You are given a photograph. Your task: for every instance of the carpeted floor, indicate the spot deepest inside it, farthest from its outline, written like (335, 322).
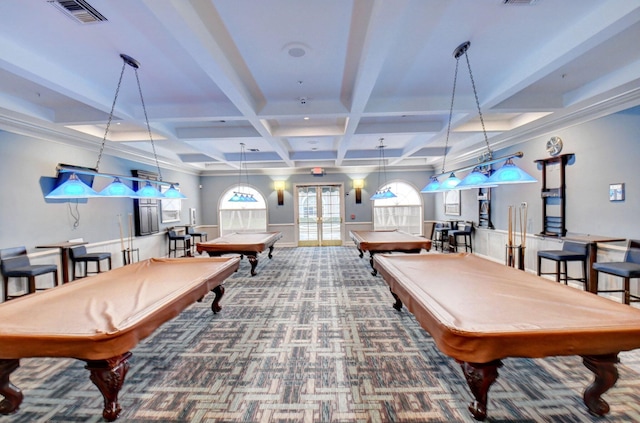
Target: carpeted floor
(311, 338)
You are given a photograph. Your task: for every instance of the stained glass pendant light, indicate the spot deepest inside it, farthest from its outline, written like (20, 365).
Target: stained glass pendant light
(238, 196)
(385, 192)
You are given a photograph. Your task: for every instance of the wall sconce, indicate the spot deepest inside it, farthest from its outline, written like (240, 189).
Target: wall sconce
(358, 184)
(279, 186)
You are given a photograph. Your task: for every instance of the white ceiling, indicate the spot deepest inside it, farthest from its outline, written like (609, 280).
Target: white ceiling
(217, 73)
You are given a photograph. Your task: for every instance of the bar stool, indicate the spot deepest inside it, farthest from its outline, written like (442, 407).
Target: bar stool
(571, 251)
(440, 235)
(627, 269)
(80, 255)
(173, 243)
(14, 263)
(465, 233)
(202, 236)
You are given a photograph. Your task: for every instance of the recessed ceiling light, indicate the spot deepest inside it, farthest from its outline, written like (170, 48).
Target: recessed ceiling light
(297, 52)
(306, 118)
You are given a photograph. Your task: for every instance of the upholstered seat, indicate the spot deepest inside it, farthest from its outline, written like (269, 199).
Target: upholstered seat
(15, 263)
(461, 237)
(80, 255)
(440, 235)
(571, 251)
(185, 243)
(627, 269)
(202, 236)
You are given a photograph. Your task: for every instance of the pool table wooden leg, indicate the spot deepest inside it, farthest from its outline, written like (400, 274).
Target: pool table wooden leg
(604, 368)
(480, 377)
(398, 304)
(218, 291)
(253, 259)
(271, 252)
(374, 272)
(11, 393)
(108, 375)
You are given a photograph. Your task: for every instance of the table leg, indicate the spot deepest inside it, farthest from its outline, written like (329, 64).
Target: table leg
(11, 393)
(604, 368)
(64, 256)
(592, 275)
(398, 304)
(108, 375)
(480, 377)
(218, 291)
(271, 251)
(374, 272)
(253, 259)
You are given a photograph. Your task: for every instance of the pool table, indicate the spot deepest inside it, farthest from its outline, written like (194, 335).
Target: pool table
(101, 318)
(388, 242)
(480, 312)
(248, 244)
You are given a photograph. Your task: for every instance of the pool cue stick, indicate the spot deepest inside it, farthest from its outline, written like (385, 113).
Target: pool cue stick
(121, 237)
(131, 235)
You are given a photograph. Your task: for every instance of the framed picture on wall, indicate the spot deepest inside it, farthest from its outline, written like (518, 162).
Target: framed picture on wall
(616, 192)
(451, 200)
(170, 208)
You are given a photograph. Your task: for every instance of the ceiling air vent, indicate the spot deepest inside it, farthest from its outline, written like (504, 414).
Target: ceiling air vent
(78, 10)
(526, 2)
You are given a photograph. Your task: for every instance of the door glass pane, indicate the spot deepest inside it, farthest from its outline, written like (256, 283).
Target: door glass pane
(307, 214)
(331, 213)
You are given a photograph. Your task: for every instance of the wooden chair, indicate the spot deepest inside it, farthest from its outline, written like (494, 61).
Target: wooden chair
(185, 241)
(80, 255)
(571, 251)
(14, 263)
(627, 269)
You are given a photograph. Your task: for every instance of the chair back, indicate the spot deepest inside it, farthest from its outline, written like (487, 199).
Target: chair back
(190, 230)
(467, 228)
(77, 251)
(172, 234)
(575, 247)
(13, 258)
(633, 252)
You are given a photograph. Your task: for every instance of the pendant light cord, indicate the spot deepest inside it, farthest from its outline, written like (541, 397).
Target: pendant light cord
(453, 96)
(113, 106)
(126, 60)
(146, 118)
(475, 93)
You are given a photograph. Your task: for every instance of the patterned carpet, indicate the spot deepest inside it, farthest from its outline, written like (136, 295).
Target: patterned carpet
(311, 338)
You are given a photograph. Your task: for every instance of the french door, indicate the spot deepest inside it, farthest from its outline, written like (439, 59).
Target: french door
(319, 213)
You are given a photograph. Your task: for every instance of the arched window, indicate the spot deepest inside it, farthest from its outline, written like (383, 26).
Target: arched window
(404, 212)
(242, 216)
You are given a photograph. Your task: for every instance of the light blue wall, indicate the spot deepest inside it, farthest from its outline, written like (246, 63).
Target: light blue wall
(28, 170)
(214, 186)
(607, 151)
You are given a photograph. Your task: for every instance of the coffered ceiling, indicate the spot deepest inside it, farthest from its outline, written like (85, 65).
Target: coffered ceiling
(312, 83)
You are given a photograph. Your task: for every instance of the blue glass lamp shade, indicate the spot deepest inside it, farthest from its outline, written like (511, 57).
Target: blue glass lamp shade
(149, 191)
(475, 179)
(72, 188)
(450, 183)
(509, 173)
(383, 194)
(240, 197)
(173, 193)
(117, 189)
(432, 186)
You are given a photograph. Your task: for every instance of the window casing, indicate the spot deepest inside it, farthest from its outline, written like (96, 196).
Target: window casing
(404, 212)
(241, 216)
